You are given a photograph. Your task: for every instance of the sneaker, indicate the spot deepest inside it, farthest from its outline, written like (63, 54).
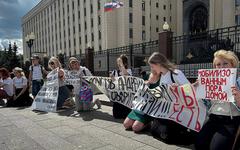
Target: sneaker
(98, 103)
(2, 102)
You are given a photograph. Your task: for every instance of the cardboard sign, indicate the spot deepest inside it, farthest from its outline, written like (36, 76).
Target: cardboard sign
(215, 84)
(46, 99)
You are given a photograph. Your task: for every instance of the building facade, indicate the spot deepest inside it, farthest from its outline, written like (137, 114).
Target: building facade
(71, 26)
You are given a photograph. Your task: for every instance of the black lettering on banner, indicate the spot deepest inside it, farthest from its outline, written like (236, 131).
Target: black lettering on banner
(44, 100)
(37, 100)
(121, 84)
(168, 96)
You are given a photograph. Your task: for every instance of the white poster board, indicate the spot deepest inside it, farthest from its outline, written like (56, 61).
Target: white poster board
(46, 99)
(215, 84)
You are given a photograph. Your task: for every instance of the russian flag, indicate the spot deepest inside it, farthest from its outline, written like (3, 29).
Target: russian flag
(108, 7)
(111, 5)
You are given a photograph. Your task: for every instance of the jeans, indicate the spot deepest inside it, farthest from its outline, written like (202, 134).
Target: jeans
(218, 133)
(63, 95)
(36, 86)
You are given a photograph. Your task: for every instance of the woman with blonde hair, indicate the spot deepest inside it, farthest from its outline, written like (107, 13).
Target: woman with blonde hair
(20, 86)
(63, 92)
(163, 72)
(220, 129)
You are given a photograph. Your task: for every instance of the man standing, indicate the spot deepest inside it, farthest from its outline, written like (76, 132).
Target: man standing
(36, 72)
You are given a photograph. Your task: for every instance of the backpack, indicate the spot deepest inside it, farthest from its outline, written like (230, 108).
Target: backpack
(171, 132)
(85, 96)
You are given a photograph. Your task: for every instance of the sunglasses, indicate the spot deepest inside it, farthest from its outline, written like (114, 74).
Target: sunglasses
(51, 63)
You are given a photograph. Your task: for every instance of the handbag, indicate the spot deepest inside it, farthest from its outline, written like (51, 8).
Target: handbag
(85, 96)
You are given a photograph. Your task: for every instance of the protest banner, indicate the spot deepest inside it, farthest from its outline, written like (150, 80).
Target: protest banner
(121, 89)
(46, 99)
(179, 104)
(73, 78)
(215, 84)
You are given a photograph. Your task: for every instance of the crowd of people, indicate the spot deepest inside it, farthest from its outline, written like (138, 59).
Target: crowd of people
(219, 131)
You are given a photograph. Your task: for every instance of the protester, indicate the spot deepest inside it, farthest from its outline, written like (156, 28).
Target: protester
(6, 86)
(21, 94)
(74, 65)
(63, 100)
(220, 129)
(36, 73)
(137, 120)
(160, 66)
(120, 111)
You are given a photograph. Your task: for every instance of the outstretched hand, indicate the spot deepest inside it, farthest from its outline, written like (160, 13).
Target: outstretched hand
(236, 94)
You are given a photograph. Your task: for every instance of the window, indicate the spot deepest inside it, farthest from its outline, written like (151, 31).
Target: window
(143, 35)
(143, 20)
(164, 7)
(86, 39)
(164, 19)
(156, 17)
(79, 27)
(237, 3)
(85, 12)
(157, 5)
(170, 19)
(130, 3)
(91, 9)
(92, 37)
(91, 22)
(99, 20)
(85, 24)
(79, 15)
(130, 33)
(237, 19)
(74, 41)
(170, 6)
(130, 18)
(143, 5)
(72, 5)
(99, 35)
(99, 5)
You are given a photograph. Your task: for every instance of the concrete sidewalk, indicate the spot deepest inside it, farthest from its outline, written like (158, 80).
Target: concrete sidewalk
(21, 128)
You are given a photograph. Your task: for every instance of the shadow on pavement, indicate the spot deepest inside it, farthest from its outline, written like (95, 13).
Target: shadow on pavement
(89, 115)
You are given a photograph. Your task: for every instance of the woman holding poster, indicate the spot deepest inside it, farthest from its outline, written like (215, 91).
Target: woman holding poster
(81, 104)
(220, 130)
(63, 100)
(160, 66)
(120, 111)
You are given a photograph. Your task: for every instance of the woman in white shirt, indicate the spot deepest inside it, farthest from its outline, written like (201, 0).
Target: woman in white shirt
(20, 86)
(163, 72)
(6, 86)
(220, 129)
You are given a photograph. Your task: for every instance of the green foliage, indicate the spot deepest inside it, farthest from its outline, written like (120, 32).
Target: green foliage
(9, 58)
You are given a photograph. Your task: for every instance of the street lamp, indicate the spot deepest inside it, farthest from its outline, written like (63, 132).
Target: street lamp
(29, 40)
(165, 26)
